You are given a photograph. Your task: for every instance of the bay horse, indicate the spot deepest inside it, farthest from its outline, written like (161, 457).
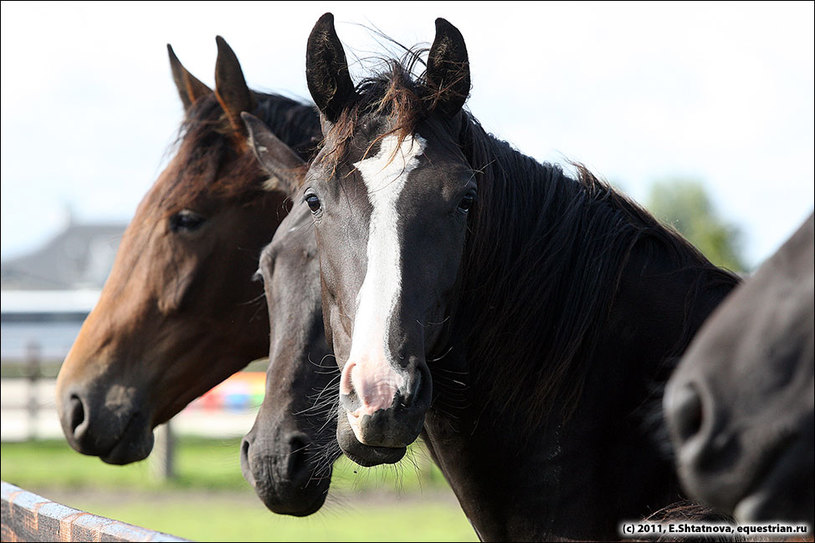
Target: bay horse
(179, 312)
(521, 320)
(740, 404)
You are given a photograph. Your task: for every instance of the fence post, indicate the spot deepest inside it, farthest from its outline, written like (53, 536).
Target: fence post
(162, 459)
(33, 374)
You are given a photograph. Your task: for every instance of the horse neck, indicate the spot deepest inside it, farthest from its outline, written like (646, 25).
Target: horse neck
(524, 478)
(540, 266)
(520, 483)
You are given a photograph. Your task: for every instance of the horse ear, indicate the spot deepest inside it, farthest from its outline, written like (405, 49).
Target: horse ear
(277, 158)
(327, 74)
(189, 87)
(448, 69)
(230, 86)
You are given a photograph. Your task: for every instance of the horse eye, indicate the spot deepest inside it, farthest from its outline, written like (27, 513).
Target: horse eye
(186, 220)
(466, 203)
(313, 202)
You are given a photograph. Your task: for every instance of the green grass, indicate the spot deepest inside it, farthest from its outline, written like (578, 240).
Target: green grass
(210, 501)
(211, 464)
(220, 518)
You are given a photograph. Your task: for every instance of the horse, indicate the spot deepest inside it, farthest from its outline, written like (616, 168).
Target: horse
(298, 382)
(522, 321)
(288, 454)
(180, 312)
(739, 406)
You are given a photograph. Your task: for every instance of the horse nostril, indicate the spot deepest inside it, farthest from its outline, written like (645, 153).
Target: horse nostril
(246, 468)
(346, 384)
(298, 455)
(76, 413)
(418, 392)
(409, 398)
(687, 412)
(349, 397)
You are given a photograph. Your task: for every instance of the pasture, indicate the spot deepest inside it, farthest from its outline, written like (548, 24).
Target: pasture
(210, 501)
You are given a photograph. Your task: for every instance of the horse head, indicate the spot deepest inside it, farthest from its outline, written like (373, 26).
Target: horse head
(389, 172)
(179, 312)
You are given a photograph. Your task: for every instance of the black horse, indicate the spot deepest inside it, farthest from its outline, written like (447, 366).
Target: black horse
(288, 454)
(522, 320)
(740, 404)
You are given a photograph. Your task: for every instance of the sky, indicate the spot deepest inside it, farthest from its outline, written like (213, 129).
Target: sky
(639, 92)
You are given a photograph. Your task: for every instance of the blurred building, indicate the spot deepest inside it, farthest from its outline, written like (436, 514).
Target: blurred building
(79, 257)
(46, 294)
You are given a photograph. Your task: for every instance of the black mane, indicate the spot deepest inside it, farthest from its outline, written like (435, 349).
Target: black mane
(546, 254)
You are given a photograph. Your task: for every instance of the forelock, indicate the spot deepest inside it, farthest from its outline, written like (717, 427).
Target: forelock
(394, 94)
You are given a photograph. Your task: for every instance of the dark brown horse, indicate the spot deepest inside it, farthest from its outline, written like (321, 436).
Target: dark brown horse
(522, 320)
(180, 312)
(288, 454)
(740, 404)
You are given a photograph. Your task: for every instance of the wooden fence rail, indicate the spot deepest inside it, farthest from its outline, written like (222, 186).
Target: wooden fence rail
(26, 516)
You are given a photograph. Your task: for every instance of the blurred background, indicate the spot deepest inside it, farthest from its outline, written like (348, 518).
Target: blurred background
(703, 112)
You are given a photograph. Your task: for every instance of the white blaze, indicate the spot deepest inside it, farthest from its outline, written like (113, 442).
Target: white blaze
(384, 175)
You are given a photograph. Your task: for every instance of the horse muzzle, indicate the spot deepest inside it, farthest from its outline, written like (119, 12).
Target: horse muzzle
(286, 471)
(105, 423)
(364, 455)
(385, 409)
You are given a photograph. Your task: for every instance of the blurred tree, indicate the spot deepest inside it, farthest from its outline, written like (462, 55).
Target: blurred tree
(685, 205)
